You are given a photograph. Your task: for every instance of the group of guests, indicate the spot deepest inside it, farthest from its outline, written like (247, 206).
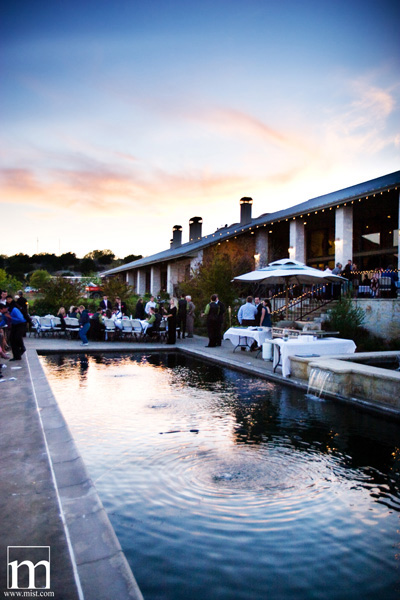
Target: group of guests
(215, 314)
(353, 275)
(178, 314)
(13, 321)
(257, 313)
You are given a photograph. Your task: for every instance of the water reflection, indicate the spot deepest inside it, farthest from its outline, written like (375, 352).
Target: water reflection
(242, 477)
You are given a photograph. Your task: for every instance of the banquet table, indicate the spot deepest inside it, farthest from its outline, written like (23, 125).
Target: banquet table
(283, 350)
(244, 337)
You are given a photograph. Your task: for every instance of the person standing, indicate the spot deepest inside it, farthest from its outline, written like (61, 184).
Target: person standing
(213, 322)
(139, 310)
(150, 304)
(18, 328)
(181, 319)
(105, 303)
(247, 314)
(336, 286)
(266, 314)
(258, 305)
(190, 317)
(121, 306)
(3, 296)
(221, 318)
(172, 322)
(84, 325)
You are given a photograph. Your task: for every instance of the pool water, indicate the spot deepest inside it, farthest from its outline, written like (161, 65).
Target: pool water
(222, 486)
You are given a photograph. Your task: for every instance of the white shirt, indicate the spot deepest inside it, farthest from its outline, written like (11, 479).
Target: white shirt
(248, 312)
(150, 304)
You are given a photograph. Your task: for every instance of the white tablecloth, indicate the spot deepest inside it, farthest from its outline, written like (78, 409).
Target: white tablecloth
(245, 336)
(297, 346)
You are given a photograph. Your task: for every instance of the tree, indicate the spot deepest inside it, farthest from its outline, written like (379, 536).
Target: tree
(87, 265)
(18, 265)
(131, 258)
(46, 261)
(68, 260)
(9, 283)
(115, 287)
(102, 257)
(59, 292)
(213, 276)
(39, 279)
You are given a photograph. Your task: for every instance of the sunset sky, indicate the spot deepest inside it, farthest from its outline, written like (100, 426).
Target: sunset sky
(120, 118)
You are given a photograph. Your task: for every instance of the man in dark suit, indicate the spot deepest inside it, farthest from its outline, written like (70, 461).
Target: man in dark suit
(105, 303)
(181, 321)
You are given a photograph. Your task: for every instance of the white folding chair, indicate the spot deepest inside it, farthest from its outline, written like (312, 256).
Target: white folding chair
(56, 321)
(35, 326)
(137, 329)
(109, 328)
(72, 326)
(46, 324)
(126, 330)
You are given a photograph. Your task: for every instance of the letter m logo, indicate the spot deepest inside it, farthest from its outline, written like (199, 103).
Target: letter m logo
(28, 567)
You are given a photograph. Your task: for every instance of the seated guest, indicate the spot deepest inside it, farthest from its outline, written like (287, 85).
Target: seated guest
(149, 322)
(96, 326)
(62, 315)
(73, 312)
(116, 316)
(247, 314)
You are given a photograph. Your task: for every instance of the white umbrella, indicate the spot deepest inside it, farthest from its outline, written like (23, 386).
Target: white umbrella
(287, 271)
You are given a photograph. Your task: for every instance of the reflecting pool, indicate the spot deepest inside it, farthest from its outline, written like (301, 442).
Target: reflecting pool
(221, 486)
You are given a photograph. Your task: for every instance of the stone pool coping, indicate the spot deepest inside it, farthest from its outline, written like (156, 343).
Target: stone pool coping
(347, 378)
(101, 570)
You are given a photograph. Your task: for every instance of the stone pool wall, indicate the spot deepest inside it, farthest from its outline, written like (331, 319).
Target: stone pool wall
(377, 387)
(382, 316)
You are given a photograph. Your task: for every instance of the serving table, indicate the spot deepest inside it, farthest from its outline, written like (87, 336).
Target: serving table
(243, 337)
(306, 347)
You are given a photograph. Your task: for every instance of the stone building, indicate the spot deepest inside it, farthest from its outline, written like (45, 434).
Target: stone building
(360, 223)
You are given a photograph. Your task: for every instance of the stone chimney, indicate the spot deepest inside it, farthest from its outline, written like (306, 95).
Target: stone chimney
(176, 236)
(195, 225)
(245, 210)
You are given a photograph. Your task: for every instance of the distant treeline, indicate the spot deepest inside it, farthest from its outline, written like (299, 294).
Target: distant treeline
(21, 266)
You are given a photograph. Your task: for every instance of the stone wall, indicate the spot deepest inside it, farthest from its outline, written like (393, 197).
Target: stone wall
(382, 316)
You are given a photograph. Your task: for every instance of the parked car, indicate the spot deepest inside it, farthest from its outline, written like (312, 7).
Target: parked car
(29, 290)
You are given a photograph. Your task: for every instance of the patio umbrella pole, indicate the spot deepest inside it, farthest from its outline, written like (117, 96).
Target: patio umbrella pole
(287, 302)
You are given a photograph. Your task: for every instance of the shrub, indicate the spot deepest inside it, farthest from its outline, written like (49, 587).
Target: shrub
(346, 318)
(58, 292)
(40, 279)
(9, 283)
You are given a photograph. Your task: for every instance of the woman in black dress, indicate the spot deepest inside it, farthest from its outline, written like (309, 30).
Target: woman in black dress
(171, 316)
(139, 310)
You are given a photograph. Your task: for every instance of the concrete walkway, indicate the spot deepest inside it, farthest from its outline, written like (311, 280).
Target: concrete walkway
(46, 496)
